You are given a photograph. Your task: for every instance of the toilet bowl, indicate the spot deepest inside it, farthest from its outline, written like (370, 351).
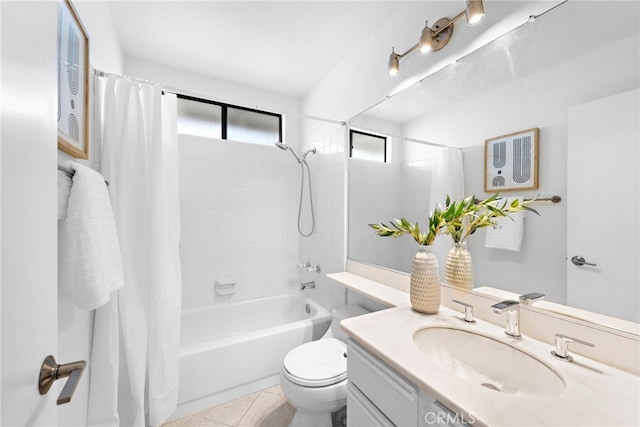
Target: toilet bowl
(314, 375)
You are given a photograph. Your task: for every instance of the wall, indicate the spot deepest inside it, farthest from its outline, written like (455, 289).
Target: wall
(75, 327)
(549, 94)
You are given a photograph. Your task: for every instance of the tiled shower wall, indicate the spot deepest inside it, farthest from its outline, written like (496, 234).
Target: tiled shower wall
(326, 247)
(238, 216)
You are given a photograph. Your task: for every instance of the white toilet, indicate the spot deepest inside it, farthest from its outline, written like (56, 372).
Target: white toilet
(314, 375)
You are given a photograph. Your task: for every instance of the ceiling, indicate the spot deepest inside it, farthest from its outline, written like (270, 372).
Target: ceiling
(280, 46)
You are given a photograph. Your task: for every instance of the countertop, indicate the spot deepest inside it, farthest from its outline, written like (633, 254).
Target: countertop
(595, 395)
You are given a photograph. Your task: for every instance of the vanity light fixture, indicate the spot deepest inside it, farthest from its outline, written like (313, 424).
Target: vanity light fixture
(436, 37)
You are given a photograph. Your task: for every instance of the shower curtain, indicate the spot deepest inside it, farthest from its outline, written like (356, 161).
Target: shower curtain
(134, 361)
(448, 179)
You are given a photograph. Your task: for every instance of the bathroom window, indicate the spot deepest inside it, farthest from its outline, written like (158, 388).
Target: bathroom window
(368, 146)
(213, 119)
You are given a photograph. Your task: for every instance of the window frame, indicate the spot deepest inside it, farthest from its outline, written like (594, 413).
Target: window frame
(223, 116)
(382, 137)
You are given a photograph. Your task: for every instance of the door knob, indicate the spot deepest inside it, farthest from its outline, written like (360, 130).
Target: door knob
(52, 371)
(579, 261)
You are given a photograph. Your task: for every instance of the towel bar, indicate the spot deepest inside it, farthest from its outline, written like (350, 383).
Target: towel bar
(70, 173)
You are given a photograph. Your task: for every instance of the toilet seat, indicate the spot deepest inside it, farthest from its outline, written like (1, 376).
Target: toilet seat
(317, 364)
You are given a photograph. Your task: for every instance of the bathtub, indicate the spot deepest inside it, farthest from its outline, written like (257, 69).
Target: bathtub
(229, 350)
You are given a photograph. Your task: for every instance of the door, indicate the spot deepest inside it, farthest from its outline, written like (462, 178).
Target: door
(602, 206)
(28, 192)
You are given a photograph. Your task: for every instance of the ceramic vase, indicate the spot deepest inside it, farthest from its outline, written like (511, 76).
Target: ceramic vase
(424, 290)
(459, 268)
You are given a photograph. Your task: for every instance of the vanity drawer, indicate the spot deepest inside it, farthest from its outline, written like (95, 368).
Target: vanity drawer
(393, 395)
(361, 412)
(434, 414)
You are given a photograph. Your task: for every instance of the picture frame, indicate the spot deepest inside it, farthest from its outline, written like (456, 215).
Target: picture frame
(511, 161)
(73, 83)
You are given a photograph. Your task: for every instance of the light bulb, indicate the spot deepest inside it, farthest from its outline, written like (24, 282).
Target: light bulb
(475, 12)
(426, 39)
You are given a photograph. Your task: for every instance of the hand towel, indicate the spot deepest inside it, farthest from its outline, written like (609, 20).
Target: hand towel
(64, 188)
(508, 232)
(92, 250)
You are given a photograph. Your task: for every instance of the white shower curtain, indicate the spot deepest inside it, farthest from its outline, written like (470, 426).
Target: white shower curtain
(448, 179)
(134, 361)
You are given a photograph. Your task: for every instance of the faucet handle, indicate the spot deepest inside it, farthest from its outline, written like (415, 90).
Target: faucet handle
(305, 265)
(562, 346)
(468, 311)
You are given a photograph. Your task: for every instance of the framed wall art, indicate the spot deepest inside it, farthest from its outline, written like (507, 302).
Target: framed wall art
(73, 83)
(511, 161)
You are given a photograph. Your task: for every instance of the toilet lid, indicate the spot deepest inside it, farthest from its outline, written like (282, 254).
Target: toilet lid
(317, 363)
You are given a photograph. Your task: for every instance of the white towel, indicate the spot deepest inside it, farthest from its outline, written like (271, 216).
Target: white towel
(64, 188)
(508, 232)
(92, 250)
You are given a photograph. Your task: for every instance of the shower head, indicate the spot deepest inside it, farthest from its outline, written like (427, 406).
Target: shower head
(285, 147)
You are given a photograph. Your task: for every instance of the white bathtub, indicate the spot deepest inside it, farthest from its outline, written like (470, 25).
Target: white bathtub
(229, 350)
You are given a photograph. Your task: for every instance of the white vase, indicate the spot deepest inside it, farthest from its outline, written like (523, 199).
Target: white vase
(424, 290)
(459, 268)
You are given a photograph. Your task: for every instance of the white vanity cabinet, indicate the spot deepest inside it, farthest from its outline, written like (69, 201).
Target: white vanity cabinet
(379, 396)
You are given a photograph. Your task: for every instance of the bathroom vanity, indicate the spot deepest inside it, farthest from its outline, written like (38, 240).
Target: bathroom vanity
(407, 368)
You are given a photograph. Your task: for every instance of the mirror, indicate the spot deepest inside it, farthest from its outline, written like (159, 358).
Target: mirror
(529, 78)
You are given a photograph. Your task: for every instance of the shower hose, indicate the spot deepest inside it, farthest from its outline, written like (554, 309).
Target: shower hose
(303, 163)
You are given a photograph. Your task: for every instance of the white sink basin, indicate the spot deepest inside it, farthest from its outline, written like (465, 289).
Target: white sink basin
(488, 362)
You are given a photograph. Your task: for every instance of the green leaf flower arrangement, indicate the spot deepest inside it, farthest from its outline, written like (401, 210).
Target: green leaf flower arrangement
(457, 219)
(463, 218)
(399, 227)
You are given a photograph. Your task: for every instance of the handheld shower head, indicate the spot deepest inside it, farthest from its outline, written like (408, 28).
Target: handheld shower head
(285, 147)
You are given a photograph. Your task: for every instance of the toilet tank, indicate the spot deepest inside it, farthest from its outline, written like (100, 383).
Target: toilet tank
(341, 313)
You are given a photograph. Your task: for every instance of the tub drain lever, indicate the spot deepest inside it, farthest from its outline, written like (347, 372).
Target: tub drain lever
(52, 371)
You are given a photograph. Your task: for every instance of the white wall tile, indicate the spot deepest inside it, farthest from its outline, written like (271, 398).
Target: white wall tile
(238, 217)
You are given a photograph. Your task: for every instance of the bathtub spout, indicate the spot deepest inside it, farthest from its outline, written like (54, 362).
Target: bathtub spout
(306, 285)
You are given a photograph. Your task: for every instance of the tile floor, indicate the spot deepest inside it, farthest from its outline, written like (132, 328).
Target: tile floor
(267, 408)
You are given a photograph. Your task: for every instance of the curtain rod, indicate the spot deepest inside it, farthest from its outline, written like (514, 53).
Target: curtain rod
(167, 89)
(101, 73)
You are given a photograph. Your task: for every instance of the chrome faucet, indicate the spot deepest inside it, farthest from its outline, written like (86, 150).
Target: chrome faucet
(306, 285)
(529, 299)
(513, 316)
